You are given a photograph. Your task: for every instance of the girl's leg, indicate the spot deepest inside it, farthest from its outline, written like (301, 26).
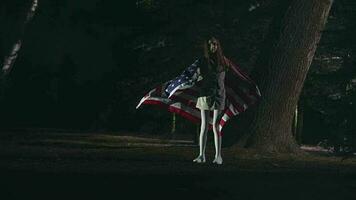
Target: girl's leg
(203, 135)
(217, 138)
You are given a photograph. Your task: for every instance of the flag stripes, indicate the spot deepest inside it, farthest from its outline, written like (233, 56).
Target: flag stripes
(180, 95)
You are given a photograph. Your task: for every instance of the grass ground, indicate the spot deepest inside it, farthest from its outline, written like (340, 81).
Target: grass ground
(89, 165)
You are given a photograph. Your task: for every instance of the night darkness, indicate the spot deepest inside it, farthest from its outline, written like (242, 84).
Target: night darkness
(84, 65)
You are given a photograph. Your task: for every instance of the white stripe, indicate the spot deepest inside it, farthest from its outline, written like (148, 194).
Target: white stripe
(245, 106)
(172, 92)
(225, 117)
(152, 91)
(145, 97)
(182, 86)
(233, 109)
(163, 100)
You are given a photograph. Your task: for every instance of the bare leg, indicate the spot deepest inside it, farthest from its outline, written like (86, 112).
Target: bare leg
(217, 138)
(203, 136)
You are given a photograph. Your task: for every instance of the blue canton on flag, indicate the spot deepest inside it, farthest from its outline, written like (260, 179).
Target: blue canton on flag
(186, 80)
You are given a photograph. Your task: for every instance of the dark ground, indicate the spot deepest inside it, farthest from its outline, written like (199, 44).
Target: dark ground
(104, 166)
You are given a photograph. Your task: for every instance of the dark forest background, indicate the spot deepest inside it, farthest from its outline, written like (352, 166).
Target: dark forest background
(85, 64)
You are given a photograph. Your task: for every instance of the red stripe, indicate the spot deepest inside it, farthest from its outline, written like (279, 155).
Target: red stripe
(229, 113)
(155, 102)
(222, 122)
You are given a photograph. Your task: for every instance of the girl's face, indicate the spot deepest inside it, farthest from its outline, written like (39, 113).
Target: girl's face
(213, 46)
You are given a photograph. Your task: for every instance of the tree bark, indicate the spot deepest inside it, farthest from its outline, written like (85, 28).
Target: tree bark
(300, 122)
(281, 73)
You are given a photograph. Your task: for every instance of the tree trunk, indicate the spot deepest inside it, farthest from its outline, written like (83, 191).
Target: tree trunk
(300, 122)
(281, 74)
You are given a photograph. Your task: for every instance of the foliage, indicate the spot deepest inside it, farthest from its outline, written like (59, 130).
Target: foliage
(330, 87)
(86, 64)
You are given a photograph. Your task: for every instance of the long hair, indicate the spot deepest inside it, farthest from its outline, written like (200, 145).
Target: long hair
(221, 63)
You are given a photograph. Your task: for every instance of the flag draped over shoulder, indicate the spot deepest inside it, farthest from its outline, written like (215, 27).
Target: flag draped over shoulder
(180, 94)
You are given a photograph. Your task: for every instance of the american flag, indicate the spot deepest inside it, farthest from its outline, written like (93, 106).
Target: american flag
(180, 94)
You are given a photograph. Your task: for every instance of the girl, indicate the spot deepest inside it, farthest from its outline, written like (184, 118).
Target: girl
(211, 95)
(208, 73)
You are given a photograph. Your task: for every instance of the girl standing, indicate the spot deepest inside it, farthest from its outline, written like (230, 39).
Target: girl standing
(211, 95)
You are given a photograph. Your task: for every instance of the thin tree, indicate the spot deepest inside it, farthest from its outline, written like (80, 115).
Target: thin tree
(10, 59)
